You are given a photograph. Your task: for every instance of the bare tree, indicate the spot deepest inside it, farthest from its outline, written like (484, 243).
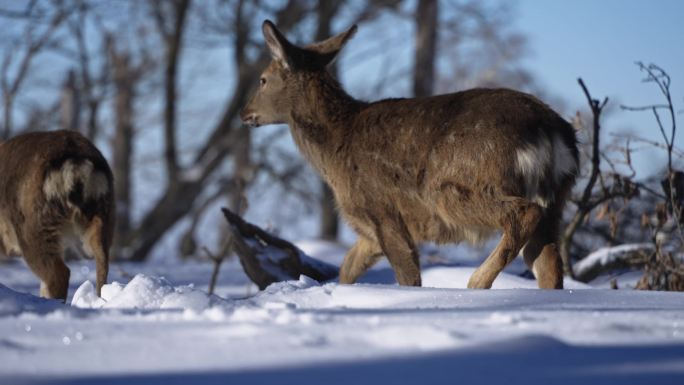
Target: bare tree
(170, 19)
(21, 55)
(592, 197)
(584, 206)
(663, 270)
(483, 49)
(611, 194)
(426, 45)
(658, 76)
(125, 75)
(92, 83)
(180, 194)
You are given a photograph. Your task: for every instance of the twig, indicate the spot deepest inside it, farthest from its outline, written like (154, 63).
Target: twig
(215, 272)
(661, 78)
(675, 151)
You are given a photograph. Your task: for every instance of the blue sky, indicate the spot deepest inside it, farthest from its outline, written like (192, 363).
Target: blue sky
(600, 41)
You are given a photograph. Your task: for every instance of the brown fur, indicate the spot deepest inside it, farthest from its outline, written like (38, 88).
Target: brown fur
(445, 168)
(54, 185)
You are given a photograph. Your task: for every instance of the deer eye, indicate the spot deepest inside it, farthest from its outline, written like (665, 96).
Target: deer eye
(262, 81)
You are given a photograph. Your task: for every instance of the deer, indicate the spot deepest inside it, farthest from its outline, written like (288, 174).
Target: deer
(55, 188)
(445, 169)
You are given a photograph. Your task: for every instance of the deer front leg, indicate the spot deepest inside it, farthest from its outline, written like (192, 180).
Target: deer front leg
(361, 257)
(397, 244)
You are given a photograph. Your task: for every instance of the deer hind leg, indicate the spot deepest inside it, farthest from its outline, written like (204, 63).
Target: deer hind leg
(361, 257)
(519, 222)
(43, 254)
(541, 254)
(397, 244)
(97, 247)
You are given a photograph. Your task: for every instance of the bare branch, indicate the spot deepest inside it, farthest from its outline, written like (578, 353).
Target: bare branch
(587, 203)
(13, 14)
(657, 75)
(34, 45)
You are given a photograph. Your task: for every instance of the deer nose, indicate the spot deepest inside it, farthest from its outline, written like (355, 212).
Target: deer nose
(248, 117)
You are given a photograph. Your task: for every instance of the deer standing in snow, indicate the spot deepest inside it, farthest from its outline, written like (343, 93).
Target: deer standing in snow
(445, 168)
(55, 186)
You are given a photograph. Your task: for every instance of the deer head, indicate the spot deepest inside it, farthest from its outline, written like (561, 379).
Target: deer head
(283, 83)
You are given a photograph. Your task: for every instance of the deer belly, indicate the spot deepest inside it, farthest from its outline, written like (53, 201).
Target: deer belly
(429, 221)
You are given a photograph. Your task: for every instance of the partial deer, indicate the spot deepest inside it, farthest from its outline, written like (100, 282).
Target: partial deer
(445, 168)
(54, 187)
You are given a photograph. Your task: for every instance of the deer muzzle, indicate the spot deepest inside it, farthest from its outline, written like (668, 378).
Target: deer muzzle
(249, 117)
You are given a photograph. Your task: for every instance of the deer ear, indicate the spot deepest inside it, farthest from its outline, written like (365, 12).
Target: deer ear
(281, 49)
(329, 48)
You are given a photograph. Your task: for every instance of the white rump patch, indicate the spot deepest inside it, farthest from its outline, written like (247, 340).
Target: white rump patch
(59, 183)
(533, 161)
(563, 161)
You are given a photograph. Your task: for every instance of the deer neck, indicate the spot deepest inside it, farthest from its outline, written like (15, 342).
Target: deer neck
(320, 120)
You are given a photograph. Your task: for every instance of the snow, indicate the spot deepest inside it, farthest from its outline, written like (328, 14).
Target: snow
(608, 255)
(144, 292)
(159, 326)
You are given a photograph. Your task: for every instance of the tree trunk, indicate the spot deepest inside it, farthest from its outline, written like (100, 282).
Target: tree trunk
(174, 42)
(174, 205)
(329, 216)
(425, 50)
(330, 220)
(91, 128)
(242, 171)
(70, 103)
(122, 146)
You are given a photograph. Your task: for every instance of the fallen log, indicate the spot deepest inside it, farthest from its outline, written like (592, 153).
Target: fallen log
(607, 259)
(267, 259)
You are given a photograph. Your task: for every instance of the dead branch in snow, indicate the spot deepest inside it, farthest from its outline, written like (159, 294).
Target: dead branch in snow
(267, 259)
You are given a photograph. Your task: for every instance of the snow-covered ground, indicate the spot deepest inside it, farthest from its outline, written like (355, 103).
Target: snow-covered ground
(157, 325)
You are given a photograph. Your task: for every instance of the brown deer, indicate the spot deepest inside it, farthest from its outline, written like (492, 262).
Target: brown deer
(55, 186)
(445, 168)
